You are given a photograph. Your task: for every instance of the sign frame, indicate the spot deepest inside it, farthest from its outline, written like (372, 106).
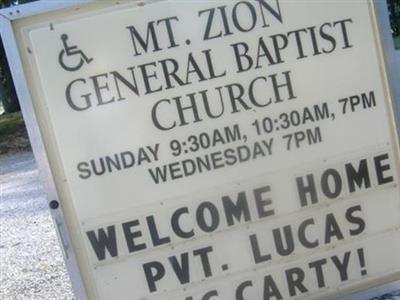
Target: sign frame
(7, 16)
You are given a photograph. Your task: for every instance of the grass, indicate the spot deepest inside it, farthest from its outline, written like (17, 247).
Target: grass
(10, 123)
(13, 136)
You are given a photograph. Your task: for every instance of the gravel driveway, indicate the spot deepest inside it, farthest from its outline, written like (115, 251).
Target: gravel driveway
(31, 262)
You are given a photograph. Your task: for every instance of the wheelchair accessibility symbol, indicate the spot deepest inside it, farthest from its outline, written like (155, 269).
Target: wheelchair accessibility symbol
(71, 58)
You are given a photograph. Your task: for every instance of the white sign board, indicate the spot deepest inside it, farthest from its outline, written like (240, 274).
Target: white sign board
(208, 150)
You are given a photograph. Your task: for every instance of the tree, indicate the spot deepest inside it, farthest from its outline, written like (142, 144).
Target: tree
(8, 96)
(394, 12)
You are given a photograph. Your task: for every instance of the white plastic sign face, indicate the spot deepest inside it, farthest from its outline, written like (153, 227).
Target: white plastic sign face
(210, 150)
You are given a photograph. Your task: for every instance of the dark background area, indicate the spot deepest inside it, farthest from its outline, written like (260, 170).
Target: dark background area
(8, 96)
(394, 14)
(13, 135)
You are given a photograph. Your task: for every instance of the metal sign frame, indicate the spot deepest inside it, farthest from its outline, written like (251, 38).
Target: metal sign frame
(9, 15)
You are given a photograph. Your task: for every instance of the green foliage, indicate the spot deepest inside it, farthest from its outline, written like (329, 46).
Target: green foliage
(394, 13)
(9, 123)
(13, 135)
(8, 96)
(397, 42)
(7, 3)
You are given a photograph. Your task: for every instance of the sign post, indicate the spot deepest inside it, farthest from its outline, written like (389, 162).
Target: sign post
(214, 149)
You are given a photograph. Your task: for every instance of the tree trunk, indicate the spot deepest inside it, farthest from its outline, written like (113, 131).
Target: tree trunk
(8, 96)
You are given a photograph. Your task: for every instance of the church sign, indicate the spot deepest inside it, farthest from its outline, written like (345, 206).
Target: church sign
(205, 150)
